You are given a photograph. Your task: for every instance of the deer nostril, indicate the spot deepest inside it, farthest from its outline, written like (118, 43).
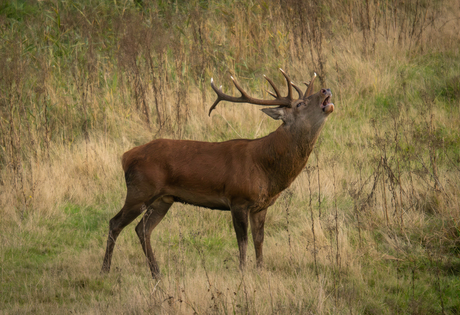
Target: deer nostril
(323, 91)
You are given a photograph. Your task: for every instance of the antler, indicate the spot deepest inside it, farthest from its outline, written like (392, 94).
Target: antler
(309, 90)
(245, 98)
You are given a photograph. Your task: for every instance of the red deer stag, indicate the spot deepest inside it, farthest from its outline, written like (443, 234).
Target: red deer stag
(241, 175)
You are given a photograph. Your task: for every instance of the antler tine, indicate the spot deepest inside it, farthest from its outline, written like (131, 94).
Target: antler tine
(245, 98)
(297, 89)
(218, 92)
(274, 88)
(271, 93)
(243, 92)
(288, 81)
(309, 90)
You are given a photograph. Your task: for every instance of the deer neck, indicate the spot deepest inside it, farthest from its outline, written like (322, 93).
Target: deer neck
(284, 154)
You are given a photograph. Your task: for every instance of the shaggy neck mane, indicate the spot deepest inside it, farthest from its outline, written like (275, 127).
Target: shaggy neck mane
(284, 153)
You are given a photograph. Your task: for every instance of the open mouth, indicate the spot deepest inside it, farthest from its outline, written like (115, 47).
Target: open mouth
(327, 106)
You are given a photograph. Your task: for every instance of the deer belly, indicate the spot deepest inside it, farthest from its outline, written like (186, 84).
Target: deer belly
(202, 200)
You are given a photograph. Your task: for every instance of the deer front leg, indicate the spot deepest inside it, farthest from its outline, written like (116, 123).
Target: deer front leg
(257, 228)
(240, 223)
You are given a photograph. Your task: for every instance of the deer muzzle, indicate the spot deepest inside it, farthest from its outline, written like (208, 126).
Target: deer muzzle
(327, 106)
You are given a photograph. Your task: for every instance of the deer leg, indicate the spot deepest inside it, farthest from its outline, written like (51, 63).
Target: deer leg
(127, 214)
(240, 223)
(257, 229)
(152, 217)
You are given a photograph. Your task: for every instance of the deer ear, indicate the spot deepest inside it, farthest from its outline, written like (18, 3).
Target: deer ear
(275, 113)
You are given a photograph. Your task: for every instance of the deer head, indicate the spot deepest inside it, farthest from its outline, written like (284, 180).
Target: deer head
(305, 113)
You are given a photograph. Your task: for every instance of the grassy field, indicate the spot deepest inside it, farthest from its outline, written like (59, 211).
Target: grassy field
(372, 226)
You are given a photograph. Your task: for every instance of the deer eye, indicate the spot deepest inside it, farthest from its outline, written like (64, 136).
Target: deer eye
(300, 104)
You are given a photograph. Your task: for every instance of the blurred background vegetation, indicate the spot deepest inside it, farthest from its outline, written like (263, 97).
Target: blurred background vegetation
(371, 226)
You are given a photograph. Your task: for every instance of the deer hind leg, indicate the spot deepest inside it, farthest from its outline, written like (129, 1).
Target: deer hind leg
(240, 223)
(152, 217)
(127, 214)
(257, 229)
